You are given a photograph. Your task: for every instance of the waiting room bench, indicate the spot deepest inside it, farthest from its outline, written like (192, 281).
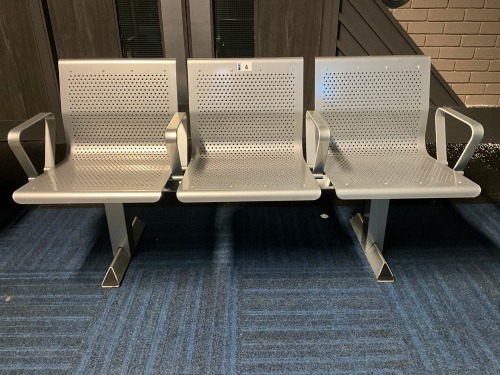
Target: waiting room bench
(375, 109)
(246, 119)
(366, 137)
(116, 115)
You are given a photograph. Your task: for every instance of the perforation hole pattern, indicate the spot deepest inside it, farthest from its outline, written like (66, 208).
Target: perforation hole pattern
(116, 115)
(230, 173)
(109, 174)
(373, 113)
(247, 115)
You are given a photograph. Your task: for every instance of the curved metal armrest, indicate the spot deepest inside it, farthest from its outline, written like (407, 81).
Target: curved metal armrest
(177, 147)
(475, 139)
(14, 140)
(317, 142)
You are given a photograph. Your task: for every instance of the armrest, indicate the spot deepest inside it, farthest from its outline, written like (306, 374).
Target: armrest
(14, 140)
(176, 139)
(317, 142)
(475, 139)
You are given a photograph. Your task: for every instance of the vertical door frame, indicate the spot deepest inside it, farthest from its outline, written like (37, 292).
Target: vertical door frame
(187, 32)
(175, 42)
(201, 28)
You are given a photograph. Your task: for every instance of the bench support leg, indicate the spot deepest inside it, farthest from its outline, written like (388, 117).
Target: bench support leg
(124, 235)
(370, 230)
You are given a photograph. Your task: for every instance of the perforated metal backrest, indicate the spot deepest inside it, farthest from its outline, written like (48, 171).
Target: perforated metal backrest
(254, 111)
(117, 107)
(375, 104)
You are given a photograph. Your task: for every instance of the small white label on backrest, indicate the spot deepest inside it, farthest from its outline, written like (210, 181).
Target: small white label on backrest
(244, 66)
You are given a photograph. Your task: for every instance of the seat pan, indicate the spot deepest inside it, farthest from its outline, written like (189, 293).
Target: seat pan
(94, 179)
(396, 176)
(245, 179)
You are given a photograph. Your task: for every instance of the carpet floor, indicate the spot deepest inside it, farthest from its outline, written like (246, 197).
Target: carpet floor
(252, 289)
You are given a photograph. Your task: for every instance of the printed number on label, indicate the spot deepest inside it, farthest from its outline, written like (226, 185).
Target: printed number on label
(244, 66)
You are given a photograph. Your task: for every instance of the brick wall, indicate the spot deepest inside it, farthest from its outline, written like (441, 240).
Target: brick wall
(463, 39)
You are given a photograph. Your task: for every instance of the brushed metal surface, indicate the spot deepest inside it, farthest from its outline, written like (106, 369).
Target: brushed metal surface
(477, 133)
(246, 132)
(377, 110)
(373, 254)
(124, 235)
(14, 140)
(115, 113)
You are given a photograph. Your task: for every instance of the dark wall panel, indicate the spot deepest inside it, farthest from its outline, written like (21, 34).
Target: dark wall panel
(290, 28)
(329, 27)
(378, 19)
(85, 29)
(28, 81)
(348, 44)
(22, 87)
(361, 29)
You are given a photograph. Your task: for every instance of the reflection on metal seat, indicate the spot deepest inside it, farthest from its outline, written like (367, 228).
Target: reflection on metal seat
(115, 115)
(376, 109)
(246, 132)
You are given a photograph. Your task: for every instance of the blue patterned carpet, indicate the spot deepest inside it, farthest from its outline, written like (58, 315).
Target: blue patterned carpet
(257, 289)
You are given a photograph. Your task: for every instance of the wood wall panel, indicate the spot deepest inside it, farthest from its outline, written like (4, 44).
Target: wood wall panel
(381, 27)
(362, 30)
(22, 87)
(329, 28)
(290, 28)
(348, 44)
(85, 28)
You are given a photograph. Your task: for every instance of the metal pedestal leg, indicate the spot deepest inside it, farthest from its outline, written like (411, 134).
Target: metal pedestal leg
(370, 230)
(124, 236)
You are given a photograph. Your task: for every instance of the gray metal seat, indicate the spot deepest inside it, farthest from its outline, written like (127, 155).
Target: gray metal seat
(376, 109)
(115, 116)
(246, 132)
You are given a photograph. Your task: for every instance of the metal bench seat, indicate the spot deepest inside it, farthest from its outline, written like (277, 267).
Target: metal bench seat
(227, 179)
(375, 109)
(100, 179)
(121, 125)
(395, 176)
(246, 131)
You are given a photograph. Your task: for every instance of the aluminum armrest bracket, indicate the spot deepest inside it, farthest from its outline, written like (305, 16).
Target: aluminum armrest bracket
(177, 145)
(317, 142)
(14, 140)
(476, 137)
